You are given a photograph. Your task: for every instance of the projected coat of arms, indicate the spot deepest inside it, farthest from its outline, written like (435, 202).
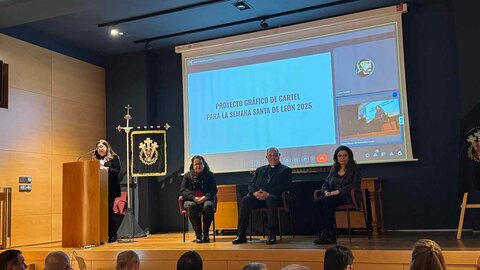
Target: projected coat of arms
(149, 150)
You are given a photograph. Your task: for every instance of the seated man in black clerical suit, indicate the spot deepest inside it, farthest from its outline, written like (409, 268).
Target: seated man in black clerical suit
(265, 190)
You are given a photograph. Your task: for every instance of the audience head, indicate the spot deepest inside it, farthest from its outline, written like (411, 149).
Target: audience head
(57, 260)
(12, 259)
(190, 260)
(273, 156)
(128, 260)
(255, 266)
(199, 165)
(295, 267)
(343, 156)
(338, 258)
(427, 255)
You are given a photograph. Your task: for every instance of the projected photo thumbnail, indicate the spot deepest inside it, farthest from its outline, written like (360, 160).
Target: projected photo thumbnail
(372, 119)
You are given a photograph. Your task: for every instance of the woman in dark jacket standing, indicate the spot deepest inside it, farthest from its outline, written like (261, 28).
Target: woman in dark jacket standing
(198, 191)
(344, 176)
(110, 162)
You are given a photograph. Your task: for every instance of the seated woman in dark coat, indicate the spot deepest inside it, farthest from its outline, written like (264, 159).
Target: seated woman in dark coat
(344, 176)
(198, 191)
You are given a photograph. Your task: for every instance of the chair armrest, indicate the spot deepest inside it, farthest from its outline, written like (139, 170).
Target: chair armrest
(180, 206)
(357, 198)
(285, 199)
(215, 201)
(316, 194)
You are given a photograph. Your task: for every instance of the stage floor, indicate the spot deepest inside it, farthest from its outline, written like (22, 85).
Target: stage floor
(160, 251)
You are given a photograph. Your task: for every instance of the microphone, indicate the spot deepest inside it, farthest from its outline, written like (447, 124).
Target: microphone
(89, 152)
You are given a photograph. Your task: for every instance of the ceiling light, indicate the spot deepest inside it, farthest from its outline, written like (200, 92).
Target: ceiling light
(242, 5)
(114, 32)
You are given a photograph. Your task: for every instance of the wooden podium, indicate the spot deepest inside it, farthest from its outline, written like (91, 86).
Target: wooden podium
(85, 204)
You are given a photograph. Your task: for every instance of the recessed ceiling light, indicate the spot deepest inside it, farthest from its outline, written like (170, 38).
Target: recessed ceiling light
(114, 32)
(242, 5)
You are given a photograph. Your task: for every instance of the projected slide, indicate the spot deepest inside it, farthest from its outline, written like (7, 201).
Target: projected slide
(305, 97)
(252, 107)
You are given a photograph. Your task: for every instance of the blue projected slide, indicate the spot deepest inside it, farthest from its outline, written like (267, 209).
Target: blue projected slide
(305, 96)
(252, 107)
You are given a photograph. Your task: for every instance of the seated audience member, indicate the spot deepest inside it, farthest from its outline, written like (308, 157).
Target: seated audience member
(57, 260)
(128, 260)
(344, 176)
(255, 266)
(265, 190)
(427, 255)
(190, 260)
(338, 258)
(12, 259)
(198, 190)
(295, 267)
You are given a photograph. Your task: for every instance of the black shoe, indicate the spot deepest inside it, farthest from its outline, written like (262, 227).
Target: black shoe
(206, 238)
(321, 241)
(323, 238)
(272, 239)
(112, 239)
(332, 237)
(240, 239)
(198, 240)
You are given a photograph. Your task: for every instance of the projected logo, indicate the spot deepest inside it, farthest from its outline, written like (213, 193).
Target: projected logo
(148, 153)
(365, 67)
(474, 148)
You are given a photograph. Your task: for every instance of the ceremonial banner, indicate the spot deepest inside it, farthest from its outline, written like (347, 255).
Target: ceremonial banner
(469, 167)
(149, 153)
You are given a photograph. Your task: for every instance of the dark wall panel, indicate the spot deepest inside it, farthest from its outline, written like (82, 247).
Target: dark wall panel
(129, 81)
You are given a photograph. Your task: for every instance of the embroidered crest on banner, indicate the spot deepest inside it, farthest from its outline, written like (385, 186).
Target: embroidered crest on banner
(148, 152)
(474, 148)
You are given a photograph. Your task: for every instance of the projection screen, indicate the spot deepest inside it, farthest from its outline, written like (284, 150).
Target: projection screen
(305, 89)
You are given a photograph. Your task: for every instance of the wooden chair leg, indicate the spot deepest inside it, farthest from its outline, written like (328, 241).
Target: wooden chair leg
(349, 227)
(251, 225)
(184, 228)
(263, 224)
(214, 230)
(291, 224)
(279, 224)
(367, 226)
(462, 215)
(334, 226)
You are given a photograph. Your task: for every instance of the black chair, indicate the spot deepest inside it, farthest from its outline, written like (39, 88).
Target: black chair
(285, 207)
(356, 203)
(184, 213)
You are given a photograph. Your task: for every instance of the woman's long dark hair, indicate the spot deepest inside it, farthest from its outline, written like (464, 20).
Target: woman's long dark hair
(110, 153)
(351, 162)
(337, 258)
(206, 168)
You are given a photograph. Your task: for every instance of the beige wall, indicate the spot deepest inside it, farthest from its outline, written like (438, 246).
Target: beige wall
(56, 112)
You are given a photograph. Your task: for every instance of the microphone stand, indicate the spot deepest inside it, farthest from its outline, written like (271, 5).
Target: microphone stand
(89, 152)
(129, 224)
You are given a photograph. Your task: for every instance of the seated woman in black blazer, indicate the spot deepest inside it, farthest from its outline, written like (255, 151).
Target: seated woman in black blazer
(198, 191)
(344, 176)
